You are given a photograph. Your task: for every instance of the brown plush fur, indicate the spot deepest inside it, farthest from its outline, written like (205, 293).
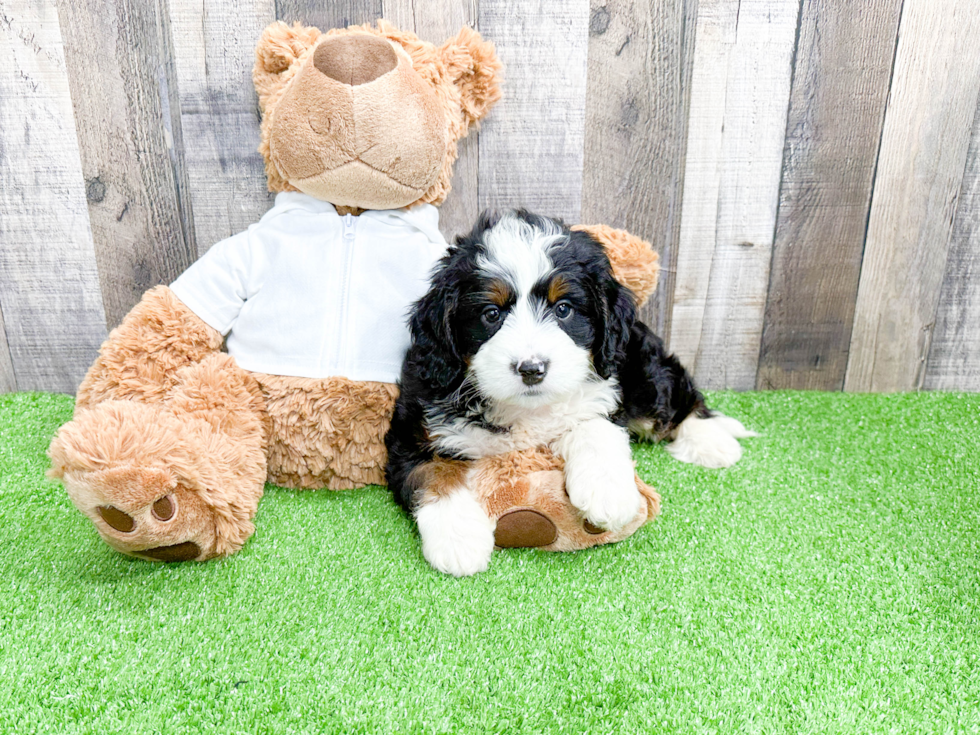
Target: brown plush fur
(440, 477)
(327, 433)
(140, 359)
(462, 76)
(165, 419)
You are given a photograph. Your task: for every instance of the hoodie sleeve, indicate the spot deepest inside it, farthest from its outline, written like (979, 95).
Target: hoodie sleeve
(222, 280)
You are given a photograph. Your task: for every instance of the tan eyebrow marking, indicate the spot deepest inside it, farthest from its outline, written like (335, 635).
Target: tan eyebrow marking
(498, 292)
(557, 288)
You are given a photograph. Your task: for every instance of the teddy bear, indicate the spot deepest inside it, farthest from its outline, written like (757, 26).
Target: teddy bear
(274, 357)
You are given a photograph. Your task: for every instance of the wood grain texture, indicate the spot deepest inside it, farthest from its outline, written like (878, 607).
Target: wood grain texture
(837, 105)
(739, 101)
(954, 356)
(635, 125)
(531, 145)
(808, 169)
(920, 167)
(660, 310)
(326, 14)
(119, 62)
(49, 289)
(8, 379)
(214, 51)
(435, 21)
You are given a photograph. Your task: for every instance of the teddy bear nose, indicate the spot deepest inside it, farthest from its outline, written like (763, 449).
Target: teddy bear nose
(355, 59)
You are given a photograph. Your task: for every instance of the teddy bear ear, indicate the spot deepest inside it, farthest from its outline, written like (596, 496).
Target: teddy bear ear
(278, 48)
(474, 68)
(635, 264)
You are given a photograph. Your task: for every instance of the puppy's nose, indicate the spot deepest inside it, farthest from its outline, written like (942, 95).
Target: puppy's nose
(355, 59)
(532, 371)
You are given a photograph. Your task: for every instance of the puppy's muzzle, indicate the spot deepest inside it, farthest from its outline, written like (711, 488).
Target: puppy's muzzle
(532, 371)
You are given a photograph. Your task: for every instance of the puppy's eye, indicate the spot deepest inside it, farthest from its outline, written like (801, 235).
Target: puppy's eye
(563, 310)
(491, 315)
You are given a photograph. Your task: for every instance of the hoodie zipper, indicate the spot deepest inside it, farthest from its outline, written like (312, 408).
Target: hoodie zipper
(350, 231)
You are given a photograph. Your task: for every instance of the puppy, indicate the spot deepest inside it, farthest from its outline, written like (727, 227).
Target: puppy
(525, 340)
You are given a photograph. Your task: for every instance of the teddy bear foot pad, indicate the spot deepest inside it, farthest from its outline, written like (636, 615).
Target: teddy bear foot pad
(162, 510)
(524, 529)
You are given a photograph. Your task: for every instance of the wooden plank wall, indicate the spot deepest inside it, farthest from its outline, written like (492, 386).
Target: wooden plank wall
(954, 357)
(809, 170)
(223, 169)
(840, 84)
(737, 123)
(920, 171)
(52, 306)
(640, 60)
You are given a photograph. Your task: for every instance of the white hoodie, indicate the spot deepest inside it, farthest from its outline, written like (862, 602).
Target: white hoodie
(308, 293)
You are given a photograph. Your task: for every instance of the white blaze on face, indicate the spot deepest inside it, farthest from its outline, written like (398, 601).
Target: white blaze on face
(519, 254)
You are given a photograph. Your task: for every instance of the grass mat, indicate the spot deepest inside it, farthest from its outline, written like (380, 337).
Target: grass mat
(829, 582)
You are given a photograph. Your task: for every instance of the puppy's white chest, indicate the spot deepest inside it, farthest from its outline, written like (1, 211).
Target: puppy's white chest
(518, 428)
(544, 426)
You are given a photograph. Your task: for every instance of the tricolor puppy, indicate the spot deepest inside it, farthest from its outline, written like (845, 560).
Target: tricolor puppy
(525, 340)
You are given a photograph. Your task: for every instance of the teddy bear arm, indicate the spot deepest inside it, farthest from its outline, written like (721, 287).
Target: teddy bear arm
(543, 517)
(140, 359)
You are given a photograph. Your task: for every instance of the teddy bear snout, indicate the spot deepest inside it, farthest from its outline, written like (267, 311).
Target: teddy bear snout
(355, 59)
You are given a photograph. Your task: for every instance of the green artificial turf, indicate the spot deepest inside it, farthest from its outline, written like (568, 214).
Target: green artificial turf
(829, 582)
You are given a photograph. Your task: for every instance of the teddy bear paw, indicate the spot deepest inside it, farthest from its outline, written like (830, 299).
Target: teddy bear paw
(540, 515)
(138, 473)
(144, 513)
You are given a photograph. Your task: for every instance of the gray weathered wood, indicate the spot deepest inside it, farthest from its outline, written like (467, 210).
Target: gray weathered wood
(327, 14)
(662, 303)
(635, 125)
(49, 288)
(119, 62)
(531, 145)
(954, 357)
(435, 21)
(214, 51)
(8, 380)
(739, 100)
(840, 86)
(920, 167)
(814, 228)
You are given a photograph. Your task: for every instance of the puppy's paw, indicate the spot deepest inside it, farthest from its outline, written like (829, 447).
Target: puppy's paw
(457, 535)
(710, 442)
(599, 473)
(606, 495)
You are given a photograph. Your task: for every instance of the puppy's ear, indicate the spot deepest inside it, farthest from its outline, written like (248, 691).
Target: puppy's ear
(614, 303)
(434, 342)
(474, 68)
(619, 311)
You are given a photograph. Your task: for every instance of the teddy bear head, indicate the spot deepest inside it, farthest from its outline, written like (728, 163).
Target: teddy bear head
(369, 117)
